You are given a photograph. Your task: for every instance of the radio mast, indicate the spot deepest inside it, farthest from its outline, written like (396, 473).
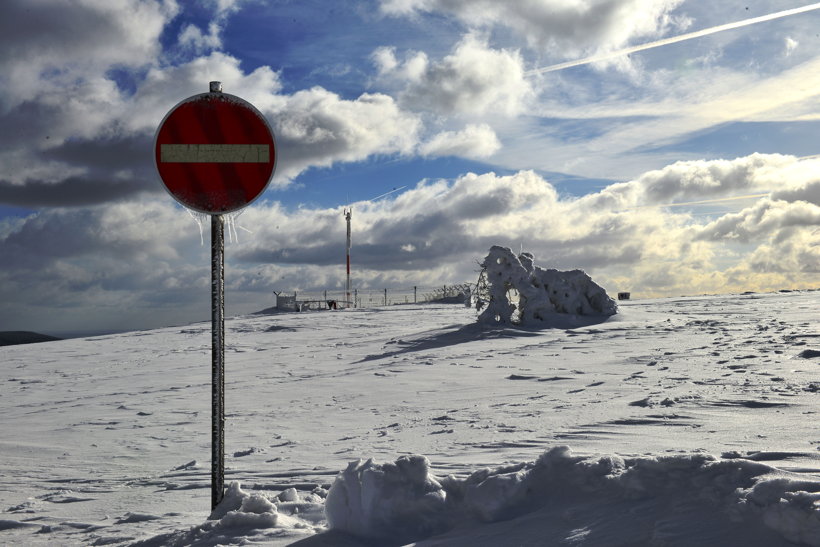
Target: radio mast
(348, 213)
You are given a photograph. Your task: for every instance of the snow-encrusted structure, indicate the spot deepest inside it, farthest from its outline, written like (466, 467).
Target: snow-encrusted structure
(541, 293)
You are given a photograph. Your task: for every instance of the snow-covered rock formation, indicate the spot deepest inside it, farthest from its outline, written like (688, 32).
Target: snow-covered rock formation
(541, 293)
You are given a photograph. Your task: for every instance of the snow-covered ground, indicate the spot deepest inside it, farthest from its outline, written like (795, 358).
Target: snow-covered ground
(689, 421)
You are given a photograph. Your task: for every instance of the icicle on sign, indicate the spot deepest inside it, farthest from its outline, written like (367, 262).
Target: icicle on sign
(215, 152)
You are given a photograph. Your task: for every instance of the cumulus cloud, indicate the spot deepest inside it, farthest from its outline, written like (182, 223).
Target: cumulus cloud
(808, 191)
(76, 137)
(57, 60)
(45, 46)
(764, 219)
(568, 27)
(473, 79)
(316, 127)
(433, 233)
(441, 228)
(192, 37)
(165, 86)
(703, 180)
(89, 142)
(116, 265)
(796, 258)
(474, 141)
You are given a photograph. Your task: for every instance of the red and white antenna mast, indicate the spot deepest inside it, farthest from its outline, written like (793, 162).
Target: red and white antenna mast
(348, 213)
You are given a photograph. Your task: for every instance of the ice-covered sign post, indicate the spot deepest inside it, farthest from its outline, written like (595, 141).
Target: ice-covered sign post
(215, 154)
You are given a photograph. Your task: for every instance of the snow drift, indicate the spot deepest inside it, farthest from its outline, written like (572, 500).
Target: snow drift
(541, 293)
(242, 514)
(663, 499)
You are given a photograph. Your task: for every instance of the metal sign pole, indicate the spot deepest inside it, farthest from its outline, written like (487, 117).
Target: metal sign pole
(218, 359)
(348, 214)
(215, 154)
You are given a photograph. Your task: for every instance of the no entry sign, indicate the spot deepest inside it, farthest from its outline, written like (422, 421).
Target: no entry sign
(215, 153)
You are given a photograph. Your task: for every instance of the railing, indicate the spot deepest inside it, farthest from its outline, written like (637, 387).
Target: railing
(369, 297)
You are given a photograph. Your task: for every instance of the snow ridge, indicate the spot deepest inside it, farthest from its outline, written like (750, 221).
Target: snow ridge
(403, 502)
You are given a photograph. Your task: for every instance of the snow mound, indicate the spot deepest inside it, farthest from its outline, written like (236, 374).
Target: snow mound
(541, 293)
(620, 500)
(246, 516)
(240, 509)
(398, 501)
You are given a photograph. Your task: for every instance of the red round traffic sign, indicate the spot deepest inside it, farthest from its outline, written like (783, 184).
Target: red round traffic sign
(215, 153)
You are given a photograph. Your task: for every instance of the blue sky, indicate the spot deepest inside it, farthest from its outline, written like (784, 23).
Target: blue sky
(684, 168)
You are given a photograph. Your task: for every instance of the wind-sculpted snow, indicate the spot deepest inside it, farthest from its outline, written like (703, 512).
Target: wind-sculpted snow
(401, 502)
(238, 515)
(398, 502)
(541, 293)
(687, 499)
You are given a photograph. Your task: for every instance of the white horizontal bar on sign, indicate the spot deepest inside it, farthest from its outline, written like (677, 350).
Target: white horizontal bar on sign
(214, 153)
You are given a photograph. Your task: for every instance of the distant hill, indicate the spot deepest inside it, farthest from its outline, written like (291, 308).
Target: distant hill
(14, 337)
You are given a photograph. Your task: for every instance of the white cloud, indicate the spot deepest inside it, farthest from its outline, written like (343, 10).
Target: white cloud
(385, 59)
(474, 141)
(702, 180)
(67, 118)
(809, 191)
(63, 108)
(765, 219)
(789, 45)
(563, 27)
(50, 45)
(433, 233)
(474, 79)
(192, 37)
(313, 127)
(316, 127)
(163, 87)
(92, 136)
(796, 258)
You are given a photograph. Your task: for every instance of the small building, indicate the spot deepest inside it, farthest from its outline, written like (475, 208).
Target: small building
(286, 303)
(623, 296)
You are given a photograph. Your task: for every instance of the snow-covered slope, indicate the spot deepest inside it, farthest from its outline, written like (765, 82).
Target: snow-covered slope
(690, 421)
(14, 337)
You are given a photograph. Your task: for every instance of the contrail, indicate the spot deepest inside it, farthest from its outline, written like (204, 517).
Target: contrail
(701, 202)
(674, 39)
(387, 193)
(716, 200)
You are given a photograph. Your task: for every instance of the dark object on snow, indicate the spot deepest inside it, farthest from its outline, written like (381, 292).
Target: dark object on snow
(623, 296)
(15, 337)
